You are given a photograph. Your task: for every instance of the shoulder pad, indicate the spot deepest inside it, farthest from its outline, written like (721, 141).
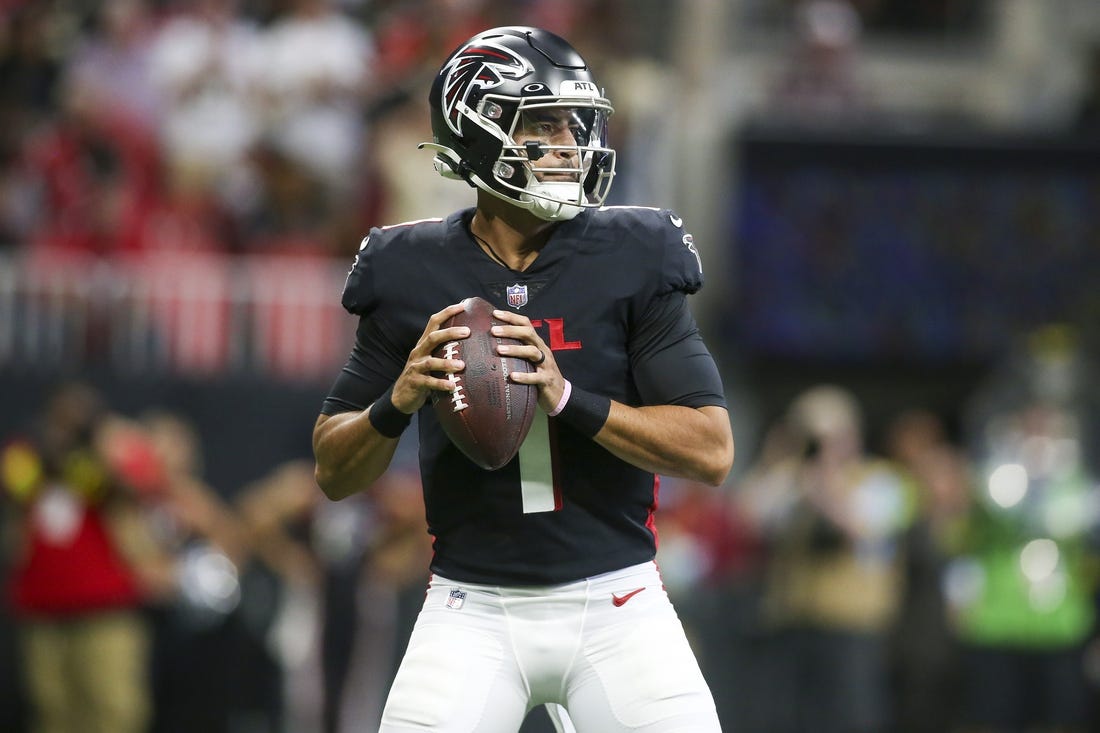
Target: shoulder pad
(385, 255)
(661, 235)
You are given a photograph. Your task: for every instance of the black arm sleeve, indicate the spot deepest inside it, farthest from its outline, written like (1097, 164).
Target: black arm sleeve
(670, 363)
(370, 370)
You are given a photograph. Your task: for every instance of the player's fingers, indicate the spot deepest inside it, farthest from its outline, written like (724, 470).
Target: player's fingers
(414, 391)
(549, 382)
(438, 384)
(520, 377)
(526, 334)
(426, 375)
(530, 352)
(516, 319)
(430, 341)
(417, 382)
(445, 365)
(443, 335)
(438, 318)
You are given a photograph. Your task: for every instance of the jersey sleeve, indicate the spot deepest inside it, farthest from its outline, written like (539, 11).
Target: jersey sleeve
(375, 361)
(373, 365)
(669, 361)
(360, 288)
(681, 266)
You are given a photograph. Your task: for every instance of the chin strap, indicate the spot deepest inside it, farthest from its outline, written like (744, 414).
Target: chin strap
(553, 200)
(445, 165)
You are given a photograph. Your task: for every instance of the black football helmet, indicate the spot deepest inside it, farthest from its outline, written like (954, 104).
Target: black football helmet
(526, 83)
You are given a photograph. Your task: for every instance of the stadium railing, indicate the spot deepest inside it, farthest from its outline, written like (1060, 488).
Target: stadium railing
(179, 314)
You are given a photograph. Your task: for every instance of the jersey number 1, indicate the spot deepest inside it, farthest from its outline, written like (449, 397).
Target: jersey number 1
(536, 468)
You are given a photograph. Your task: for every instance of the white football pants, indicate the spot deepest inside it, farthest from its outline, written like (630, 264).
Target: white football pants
(609, 649)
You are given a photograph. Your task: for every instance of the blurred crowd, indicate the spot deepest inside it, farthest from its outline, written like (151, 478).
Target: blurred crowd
(937, 576)
(131, 126)
(943, 578)
(144, 599)
(938, 573)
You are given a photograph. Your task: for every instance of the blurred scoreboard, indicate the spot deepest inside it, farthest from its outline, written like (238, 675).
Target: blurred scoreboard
(932, 248)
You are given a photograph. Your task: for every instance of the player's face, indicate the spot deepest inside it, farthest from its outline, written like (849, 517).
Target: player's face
(557, 130)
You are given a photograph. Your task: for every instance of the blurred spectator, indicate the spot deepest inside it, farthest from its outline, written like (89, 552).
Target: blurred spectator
(925, 655)
(704, 542)
(411, 33)
(315, 77)
(205, 65)
(180, 214)
(292, 209)
(410, 189)
(277, 511)
(30, 66)
(350, 581)
(197, 539)
(833, 516)
(390, 591)
(709, 556)
(112, 61)
(1023, 585)
(75, 589)
(194, 512)
(83, 182)
(820, 83)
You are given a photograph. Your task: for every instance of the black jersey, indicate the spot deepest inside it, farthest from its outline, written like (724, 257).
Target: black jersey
(608, 295)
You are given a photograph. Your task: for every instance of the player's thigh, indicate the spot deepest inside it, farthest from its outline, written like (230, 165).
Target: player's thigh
(455, 678)
(641, 677)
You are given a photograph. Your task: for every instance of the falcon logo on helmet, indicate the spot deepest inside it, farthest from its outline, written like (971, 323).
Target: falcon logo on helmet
(478, 66)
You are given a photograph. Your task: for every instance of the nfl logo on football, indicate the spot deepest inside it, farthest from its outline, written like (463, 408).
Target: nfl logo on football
(456, 599)
(517, 295)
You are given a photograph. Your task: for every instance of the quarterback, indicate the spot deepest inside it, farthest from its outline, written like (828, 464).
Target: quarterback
(543, 587)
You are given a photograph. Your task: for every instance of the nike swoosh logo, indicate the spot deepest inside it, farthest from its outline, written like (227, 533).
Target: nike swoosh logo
(620, 600)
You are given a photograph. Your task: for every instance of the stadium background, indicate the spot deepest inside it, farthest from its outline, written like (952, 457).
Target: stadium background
(895, 202)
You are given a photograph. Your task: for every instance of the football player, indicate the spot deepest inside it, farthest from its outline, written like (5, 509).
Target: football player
(543, 587)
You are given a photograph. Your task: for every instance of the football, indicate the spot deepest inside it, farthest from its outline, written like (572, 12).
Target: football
(487, 416)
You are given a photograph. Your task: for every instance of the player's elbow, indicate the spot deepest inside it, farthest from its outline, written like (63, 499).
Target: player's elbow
(327, 479)
(331, 468)
(716, 465)
(716, 460)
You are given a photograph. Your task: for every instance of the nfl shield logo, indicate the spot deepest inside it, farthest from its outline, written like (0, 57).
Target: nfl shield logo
(456, 599)
(517, 295)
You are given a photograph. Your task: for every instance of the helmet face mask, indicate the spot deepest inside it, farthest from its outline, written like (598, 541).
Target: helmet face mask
(515, 112)
(554, 158)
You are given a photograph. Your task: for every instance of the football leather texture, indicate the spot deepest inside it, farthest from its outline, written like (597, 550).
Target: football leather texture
(487, 416)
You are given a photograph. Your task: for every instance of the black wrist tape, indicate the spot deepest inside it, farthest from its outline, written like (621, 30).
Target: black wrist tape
(387, 419)
(585, 412)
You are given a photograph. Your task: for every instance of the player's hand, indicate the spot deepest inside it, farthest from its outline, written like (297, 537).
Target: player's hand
(416, 383)
(547, 377)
